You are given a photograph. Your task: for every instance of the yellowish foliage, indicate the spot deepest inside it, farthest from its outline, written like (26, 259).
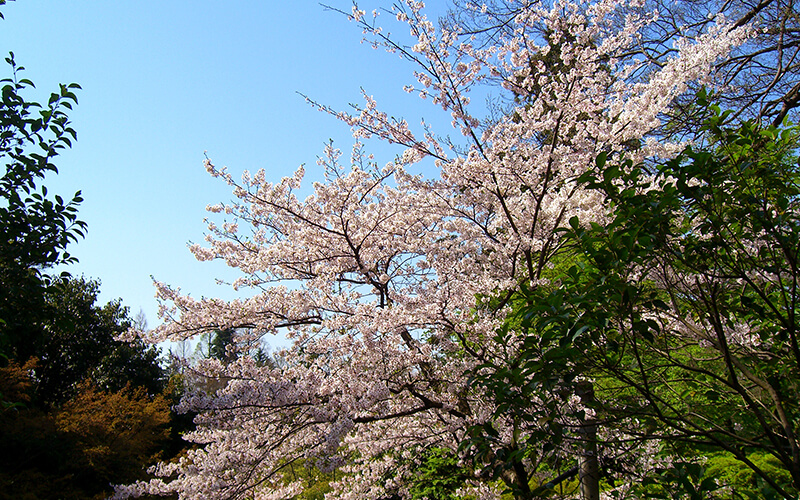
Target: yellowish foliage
(16, 384)
(115, 433)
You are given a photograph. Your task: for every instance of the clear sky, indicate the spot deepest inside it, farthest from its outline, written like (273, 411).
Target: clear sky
(163, 82)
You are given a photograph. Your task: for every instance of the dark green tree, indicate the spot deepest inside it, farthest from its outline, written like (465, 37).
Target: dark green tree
(219, 345)
(36, 226)
(77, 342)
(53, 318)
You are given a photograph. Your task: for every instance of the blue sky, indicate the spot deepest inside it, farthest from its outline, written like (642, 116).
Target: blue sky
(164, 82)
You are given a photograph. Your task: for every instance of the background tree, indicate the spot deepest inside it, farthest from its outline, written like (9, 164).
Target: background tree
(76, 340)
(95, 439)
(116, 434)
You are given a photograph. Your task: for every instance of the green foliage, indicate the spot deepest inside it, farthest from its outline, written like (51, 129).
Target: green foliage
(679, 480)
(37, 227)
(218, 345)
(438, 476)
(130, 363)
(717, 475)
(715, 233)
(680, 310)
(76, 341)
(740, 481)
(315, 482)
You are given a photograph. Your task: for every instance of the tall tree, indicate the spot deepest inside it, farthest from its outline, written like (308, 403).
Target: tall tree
(36, 227)
(393, 285)
(52, 318)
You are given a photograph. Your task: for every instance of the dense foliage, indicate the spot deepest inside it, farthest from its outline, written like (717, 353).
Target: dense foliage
(678, 311)
(77, 451)
(36, 227)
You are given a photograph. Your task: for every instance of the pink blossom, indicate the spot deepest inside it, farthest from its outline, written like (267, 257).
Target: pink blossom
(378, 276)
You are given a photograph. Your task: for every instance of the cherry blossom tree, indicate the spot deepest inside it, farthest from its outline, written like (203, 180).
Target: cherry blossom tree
(392, 284)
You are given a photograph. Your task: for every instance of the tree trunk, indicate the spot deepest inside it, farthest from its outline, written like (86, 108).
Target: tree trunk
(589, 470)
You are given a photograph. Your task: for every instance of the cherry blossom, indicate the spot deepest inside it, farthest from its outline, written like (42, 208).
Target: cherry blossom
(391, 284)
